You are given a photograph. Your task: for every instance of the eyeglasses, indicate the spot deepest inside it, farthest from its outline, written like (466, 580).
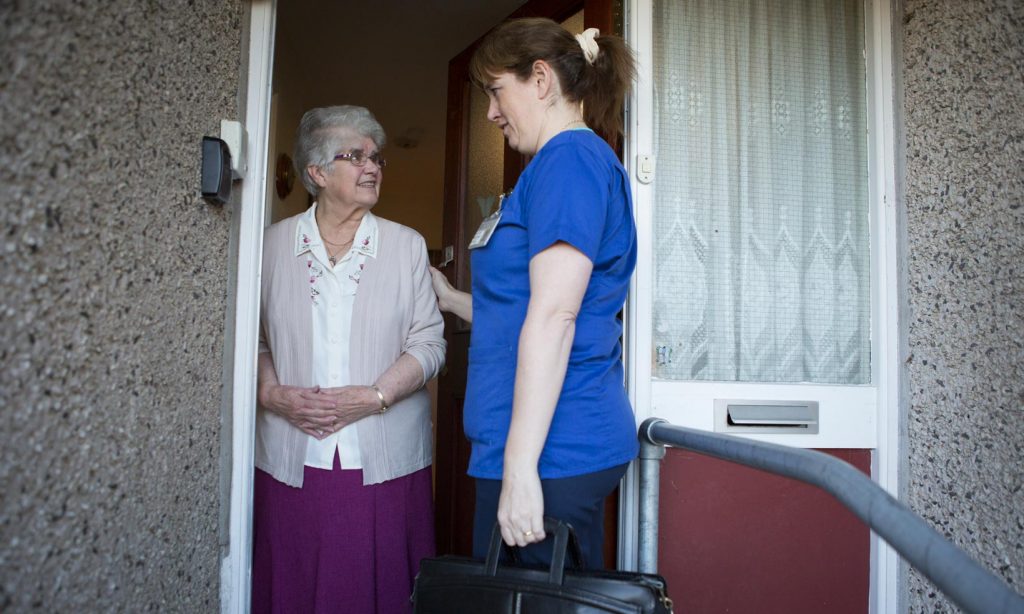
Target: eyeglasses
(358, 158)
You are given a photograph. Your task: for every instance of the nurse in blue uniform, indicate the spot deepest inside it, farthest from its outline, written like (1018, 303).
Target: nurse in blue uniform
(546, 411)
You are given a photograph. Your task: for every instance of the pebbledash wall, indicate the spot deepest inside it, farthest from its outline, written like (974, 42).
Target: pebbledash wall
(963, 77)
(114, 285)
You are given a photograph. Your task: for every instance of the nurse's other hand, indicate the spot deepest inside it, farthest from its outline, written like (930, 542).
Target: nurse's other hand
(521, 508)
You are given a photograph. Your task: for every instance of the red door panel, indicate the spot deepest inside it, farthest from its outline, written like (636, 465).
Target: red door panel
(735, 539)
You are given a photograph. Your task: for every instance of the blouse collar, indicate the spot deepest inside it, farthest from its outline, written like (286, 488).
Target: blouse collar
(307, 234)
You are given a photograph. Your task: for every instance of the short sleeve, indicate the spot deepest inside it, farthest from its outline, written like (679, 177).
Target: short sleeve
(567, 200)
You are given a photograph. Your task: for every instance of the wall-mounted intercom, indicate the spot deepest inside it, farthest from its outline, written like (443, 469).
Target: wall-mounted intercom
(223, 161)
(216, 175)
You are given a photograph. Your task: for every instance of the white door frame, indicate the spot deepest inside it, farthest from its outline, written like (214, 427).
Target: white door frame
(880, 58)
(882, 435)
(236, 566)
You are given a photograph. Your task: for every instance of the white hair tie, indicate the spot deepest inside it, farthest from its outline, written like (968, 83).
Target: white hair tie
(588, 44)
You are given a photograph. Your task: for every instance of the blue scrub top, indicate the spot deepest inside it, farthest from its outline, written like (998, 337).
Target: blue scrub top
(574, 190)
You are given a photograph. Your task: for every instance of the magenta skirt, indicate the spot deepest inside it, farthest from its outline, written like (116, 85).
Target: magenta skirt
(335, 545)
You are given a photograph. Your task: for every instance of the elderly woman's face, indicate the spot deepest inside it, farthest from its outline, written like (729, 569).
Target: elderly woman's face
(345, 183)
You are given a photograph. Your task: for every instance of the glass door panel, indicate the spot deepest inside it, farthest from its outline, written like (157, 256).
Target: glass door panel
(761, 211)
(485, 159)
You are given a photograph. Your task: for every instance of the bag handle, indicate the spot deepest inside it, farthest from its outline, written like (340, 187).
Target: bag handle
(566, 542)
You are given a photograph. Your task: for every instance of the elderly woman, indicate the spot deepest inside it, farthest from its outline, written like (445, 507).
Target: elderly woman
(350, 333)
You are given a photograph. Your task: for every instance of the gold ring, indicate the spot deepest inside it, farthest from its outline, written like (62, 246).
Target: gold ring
(527, 533)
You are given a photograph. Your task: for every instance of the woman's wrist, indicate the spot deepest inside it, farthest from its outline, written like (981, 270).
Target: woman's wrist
(263, 394)
(379, 397)
(518, 466)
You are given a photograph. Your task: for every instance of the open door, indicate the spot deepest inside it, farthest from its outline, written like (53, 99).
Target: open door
(478, 167)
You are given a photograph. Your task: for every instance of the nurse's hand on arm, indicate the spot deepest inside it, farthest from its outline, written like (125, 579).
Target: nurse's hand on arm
(305, 408)
(558, 279)
(449, 299)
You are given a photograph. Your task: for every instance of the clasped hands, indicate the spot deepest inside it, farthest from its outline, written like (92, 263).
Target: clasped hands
(320, 412)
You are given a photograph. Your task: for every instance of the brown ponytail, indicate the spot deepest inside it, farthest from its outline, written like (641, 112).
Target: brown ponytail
(602, 86)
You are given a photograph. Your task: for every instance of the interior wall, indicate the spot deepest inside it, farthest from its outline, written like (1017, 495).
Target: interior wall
(286, 110)
(963, 75)
(412, 191)
(391, 57)
(114, 278)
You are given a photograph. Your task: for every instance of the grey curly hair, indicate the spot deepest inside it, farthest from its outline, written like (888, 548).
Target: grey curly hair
(322, 132)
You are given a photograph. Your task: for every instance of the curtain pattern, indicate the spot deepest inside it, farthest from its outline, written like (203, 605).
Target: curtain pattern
(761, 201)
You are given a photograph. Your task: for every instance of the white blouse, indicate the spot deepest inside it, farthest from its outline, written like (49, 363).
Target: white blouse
(335, 289)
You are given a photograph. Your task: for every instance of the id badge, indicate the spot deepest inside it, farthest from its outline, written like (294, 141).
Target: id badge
(483, 234)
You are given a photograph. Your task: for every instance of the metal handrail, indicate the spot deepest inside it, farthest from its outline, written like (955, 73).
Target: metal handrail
(972, 587)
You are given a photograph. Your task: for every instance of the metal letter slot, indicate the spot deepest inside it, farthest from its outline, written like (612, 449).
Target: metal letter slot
(750, 416)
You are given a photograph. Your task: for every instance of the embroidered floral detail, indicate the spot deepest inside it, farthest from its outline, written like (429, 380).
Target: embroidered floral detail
(303, 242)
(359, 273)
(315, 273)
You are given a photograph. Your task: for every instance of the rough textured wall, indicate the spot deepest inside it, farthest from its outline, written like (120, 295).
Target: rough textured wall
(964, 114)
(113, 288)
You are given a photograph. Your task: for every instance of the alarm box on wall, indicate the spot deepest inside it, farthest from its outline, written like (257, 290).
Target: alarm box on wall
(216, 173)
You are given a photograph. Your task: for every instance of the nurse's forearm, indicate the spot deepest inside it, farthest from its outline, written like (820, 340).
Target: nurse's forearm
(544, 347)
(458, 302)
(449, 299)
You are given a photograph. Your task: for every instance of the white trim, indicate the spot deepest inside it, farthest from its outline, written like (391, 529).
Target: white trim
(237, 564)
(271, 190)
(879, 59)
(639, 34)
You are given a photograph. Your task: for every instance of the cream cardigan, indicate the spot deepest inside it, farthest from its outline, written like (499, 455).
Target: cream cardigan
(395, 313)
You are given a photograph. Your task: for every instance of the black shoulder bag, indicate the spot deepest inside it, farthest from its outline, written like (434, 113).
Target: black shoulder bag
(460, 585)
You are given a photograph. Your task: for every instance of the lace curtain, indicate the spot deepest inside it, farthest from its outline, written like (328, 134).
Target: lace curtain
(761, 203)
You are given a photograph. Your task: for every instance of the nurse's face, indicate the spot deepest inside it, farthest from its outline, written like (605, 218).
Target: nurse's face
(514, 108)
